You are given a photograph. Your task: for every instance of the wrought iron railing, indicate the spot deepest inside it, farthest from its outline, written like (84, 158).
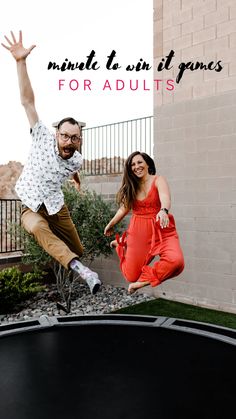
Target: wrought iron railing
(106, 147)
(10, 239)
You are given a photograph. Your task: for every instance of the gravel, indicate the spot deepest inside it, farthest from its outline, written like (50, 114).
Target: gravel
(107, 300)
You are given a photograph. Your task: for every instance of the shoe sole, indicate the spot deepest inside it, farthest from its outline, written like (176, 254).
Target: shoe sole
(95, 288)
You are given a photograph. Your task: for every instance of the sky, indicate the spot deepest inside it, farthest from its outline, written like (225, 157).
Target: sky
(70, 30)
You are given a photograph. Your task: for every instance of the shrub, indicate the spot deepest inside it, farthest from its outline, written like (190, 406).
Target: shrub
(90, 214)
(15, 287)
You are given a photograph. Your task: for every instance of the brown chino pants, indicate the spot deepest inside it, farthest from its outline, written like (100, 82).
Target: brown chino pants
(56, 233)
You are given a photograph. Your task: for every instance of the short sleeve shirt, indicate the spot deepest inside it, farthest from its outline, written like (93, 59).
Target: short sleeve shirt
(45, 172)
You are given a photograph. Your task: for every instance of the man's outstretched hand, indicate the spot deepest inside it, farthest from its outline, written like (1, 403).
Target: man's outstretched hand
(16, 47)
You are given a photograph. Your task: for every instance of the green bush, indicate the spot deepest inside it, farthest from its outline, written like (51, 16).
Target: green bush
(90, 214)
(15, 287)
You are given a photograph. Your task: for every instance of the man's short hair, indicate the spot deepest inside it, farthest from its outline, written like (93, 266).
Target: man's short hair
(71, 121)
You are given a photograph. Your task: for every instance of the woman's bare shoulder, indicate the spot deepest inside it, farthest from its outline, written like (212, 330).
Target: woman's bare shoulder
(160, 180)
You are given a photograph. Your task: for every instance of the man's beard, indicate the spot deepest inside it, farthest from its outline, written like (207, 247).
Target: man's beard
(67, 152)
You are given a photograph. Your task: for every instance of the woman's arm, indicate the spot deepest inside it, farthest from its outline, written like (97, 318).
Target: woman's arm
(120, 214)
(165, 199)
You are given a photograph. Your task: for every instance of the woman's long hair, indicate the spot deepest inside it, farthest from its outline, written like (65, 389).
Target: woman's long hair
(130, 183)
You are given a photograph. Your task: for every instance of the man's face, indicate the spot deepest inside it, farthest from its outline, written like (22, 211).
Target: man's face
(68, 140)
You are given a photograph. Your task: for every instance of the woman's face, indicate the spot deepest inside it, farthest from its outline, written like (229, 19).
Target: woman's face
(139, 167)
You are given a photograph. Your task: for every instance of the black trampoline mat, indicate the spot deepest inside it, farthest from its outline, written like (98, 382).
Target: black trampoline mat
(107, 371)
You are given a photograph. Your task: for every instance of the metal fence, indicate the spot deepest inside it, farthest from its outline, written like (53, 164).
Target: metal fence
(10, 239)
(106, 147)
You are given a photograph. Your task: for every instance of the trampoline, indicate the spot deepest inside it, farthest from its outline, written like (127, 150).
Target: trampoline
(116, 367)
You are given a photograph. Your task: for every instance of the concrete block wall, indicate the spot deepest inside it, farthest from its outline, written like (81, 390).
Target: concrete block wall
(198, 157)
(202, 30)
(106, 185)
(195, 148)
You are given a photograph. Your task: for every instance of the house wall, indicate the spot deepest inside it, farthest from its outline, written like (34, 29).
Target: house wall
(195, 146)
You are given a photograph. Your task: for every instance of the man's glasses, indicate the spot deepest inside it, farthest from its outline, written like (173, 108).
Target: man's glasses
(74, 139)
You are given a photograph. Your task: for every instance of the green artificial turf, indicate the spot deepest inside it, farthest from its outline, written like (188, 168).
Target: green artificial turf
(166, 308)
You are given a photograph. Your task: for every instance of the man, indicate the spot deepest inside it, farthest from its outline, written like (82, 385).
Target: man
(52, 159)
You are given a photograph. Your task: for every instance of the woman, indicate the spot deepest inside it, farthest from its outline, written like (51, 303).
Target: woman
(151, 230)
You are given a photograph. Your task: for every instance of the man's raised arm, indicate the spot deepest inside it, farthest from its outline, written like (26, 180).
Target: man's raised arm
(20, 54)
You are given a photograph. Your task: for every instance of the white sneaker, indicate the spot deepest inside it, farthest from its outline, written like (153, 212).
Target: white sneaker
(91, 279)
(93, 283)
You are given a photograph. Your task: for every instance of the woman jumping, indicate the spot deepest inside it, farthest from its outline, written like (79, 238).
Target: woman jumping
(151, 231)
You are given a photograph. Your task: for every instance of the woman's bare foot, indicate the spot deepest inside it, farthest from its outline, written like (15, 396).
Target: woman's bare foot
(114, 244)
(136, 285)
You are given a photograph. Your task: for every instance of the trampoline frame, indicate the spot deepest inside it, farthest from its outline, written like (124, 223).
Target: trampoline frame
(212, 331)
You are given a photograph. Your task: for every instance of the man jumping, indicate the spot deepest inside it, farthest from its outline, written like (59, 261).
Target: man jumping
(52, 159)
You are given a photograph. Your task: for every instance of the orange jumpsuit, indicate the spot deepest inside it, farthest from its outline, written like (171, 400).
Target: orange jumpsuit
(145, 239)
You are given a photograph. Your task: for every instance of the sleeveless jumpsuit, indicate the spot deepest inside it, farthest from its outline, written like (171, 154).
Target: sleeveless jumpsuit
(145, 239)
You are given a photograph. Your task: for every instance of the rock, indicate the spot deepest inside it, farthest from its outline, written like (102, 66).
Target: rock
(108, 299)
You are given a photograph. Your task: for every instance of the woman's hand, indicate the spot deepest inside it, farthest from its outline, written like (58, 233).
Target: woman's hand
(120, 214)
(163, 218)
(109, 230)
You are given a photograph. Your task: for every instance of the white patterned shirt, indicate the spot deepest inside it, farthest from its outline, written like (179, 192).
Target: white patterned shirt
(45, 172)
